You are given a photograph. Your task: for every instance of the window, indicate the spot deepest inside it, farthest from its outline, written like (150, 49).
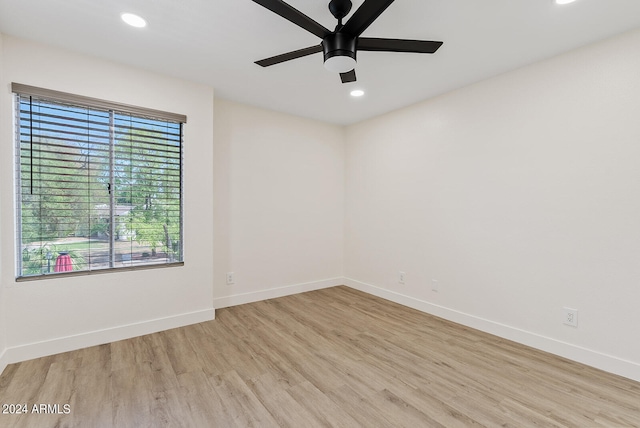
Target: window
(99, 184)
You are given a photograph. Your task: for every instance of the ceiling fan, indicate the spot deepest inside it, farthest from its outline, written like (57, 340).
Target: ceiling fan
(340, 45)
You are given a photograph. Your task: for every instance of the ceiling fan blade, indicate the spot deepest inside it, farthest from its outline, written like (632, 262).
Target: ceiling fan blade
(289, 56)
(294, 15)
(349, 76)
(397, 45)
(364, 16)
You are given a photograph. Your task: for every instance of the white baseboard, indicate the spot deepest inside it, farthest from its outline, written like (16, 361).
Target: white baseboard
(3, 360)
(272, 293)
(608, 363)
(99, 337)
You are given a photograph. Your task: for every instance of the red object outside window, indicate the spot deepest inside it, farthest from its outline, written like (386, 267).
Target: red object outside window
(63, 263)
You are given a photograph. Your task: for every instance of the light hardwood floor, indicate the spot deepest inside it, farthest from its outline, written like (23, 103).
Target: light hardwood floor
(335, 357)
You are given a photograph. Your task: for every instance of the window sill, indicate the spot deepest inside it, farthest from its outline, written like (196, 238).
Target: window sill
(96, 272)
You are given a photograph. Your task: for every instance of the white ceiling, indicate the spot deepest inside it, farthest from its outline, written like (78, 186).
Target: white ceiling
(216, 42)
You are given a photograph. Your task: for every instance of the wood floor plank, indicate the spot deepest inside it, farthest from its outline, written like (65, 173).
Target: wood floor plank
(132, 397)
(180, 351)
(212, 354)
(361, 408)
(438, 410)
(335, 357)
(325, 411)
(248, 411)
(273, 394)
(202, 403)
(403, 413)
(92, 404)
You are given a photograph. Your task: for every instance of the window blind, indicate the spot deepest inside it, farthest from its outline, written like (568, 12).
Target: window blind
(97, 188)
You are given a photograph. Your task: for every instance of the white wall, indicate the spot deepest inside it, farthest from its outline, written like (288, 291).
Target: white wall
(520, 195)
(5, 206)
(279, 203)
(53, 315)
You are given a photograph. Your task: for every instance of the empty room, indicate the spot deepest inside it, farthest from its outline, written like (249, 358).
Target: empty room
(301, 213)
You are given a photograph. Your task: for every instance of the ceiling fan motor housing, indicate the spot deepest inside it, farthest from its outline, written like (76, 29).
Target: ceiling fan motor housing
(339, 44)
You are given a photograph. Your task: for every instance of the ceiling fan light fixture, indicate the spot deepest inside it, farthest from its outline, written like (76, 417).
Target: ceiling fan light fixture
(340, 64)
(339, 52)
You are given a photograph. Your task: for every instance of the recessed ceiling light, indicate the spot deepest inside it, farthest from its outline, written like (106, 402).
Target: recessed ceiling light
(133, 20)
(357, 93)
(564, 1)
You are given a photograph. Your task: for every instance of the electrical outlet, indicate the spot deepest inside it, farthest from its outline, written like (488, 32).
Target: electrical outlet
(401, 277)
(570, 316)
(230, 279)
(434, 285)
